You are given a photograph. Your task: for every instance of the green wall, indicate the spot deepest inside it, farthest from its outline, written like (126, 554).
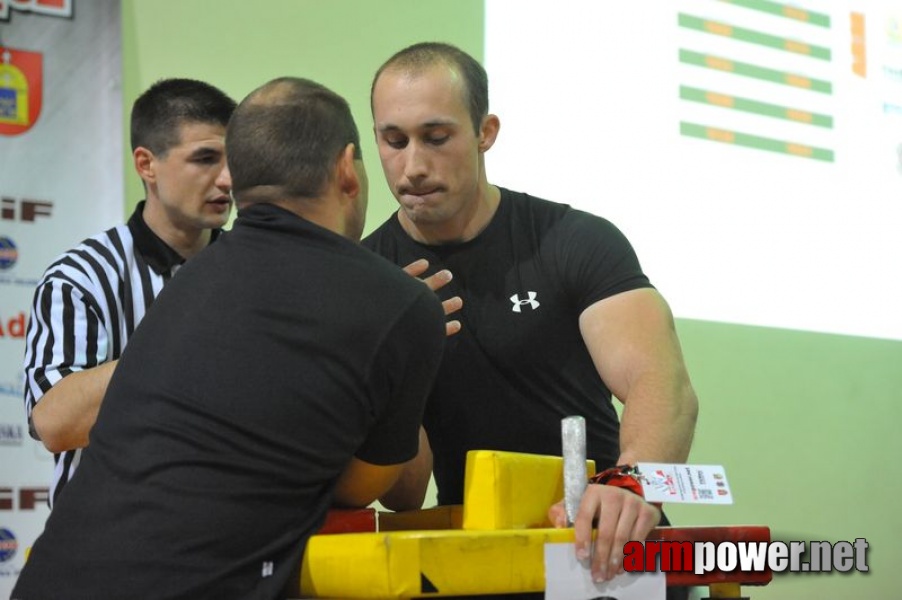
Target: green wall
(804, 423)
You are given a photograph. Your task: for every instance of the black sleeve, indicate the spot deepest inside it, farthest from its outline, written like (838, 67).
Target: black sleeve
(401, 378)
(596, 259)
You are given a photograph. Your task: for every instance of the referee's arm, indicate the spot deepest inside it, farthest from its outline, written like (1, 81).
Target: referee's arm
(65, 414)
(66, 366)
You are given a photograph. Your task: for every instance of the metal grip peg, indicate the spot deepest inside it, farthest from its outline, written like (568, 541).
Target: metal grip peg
(573, 436)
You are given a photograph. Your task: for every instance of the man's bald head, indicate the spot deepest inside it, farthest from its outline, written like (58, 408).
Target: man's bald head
(283, 140)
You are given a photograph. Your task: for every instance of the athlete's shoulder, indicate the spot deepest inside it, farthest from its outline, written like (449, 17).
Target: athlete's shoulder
(531, 212)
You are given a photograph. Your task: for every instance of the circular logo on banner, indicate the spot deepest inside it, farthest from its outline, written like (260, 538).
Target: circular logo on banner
(8, 545)
(22, 76)
(9, 254)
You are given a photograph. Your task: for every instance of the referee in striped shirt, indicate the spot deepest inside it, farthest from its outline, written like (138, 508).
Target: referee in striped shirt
(92, 297)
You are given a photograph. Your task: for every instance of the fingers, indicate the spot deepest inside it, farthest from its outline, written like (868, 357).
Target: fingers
(589, 507)
(609, 522)
(435, 282)
(452, 305)
(625, 525)
(417, 267)
(622, 516)
(649, 517)
(557, 515)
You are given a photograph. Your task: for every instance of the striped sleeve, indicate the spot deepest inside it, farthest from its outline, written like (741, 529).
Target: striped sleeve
(65, 334)
(78, 313)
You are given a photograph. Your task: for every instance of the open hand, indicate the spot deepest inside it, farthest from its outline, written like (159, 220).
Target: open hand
(437, 281)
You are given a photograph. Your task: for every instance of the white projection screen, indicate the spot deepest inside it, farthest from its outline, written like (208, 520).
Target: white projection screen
(750, 150)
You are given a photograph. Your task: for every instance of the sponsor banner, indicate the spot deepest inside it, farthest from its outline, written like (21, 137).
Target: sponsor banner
(60, 182)
(23, 510)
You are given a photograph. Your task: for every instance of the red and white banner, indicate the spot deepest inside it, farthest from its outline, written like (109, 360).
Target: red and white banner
(60, 182)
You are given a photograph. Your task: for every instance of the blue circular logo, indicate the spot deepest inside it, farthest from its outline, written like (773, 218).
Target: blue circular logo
(8, 545)
(9, 254)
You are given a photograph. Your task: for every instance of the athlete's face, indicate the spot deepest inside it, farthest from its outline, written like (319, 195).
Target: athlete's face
(428, 148)
(191, 182)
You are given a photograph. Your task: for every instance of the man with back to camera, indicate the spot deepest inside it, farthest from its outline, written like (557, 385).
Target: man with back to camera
(557, 315)
(92, 297)
(283, 370)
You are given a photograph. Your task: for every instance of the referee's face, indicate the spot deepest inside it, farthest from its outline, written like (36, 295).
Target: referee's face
(191, 181)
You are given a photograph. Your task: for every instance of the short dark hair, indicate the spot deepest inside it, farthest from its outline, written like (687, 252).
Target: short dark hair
(420, 56)
(158, 113)
(286, 137)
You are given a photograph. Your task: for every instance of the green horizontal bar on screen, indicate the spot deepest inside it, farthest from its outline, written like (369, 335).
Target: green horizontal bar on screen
(755, 106)
(784, 10)
(753, 37)
(749, 70)
(746, 140)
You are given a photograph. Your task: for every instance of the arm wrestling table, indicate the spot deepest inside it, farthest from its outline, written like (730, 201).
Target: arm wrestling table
(493, 543)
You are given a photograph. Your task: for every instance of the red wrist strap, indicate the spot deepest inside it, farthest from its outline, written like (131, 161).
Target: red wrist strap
(622, 476)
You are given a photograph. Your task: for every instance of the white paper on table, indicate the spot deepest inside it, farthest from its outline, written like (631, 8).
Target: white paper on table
(566, 578)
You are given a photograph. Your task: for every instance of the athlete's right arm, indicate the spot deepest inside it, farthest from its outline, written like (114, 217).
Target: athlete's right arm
(65, 414)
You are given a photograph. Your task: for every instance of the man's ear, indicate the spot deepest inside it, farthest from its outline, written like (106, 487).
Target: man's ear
(144, 164)
(488, 132)
(348, 180)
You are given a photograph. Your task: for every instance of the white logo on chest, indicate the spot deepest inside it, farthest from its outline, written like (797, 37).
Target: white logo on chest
(519, 304)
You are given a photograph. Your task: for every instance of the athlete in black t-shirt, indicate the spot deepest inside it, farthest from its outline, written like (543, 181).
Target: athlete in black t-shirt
(557, 316)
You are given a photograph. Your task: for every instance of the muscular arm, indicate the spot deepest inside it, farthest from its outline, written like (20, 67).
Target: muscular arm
(633, 342)
(66, 412)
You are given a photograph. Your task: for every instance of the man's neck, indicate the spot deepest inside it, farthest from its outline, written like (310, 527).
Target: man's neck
(186, 241)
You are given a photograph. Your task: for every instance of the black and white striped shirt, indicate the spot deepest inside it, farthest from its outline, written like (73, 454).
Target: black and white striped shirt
(86, 307)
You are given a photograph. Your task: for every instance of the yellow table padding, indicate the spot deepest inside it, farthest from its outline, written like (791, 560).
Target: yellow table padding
(407, 564)
(494, 543)
(512, 490)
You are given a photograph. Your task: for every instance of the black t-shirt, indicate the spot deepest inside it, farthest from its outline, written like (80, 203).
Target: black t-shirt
(519, 364)
(271, 359)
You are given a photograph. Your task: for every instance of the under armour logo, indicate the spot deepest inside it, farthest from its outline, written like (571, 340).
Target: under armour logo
(518, 304)
(267, 569)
